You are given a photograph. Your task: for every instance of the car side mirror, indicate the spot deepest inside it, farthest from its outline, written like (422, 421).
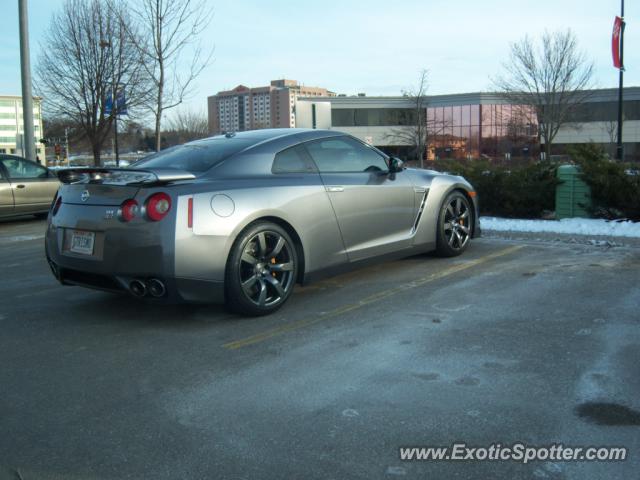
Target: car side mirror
(395, 165)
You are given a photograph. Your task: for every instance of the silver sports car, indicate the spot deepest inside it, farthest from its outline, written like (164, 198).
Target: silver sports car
(240, 218)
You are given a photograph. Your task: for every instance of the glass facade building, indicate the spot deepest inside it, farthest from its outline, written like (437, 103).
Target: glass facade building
(481, 125)
(454, 131)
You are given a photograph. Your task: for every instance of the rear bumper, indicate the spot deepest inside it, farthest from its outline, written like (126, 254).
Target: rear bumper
(176, 289)
(123, 254)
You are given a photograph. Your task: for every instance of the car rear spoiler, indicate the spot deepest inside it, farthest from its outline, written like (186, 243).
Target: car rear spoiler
(122, 176)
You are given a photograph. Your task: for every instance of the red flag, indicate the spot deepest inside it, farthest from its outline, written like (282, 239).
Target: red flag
(615, 42)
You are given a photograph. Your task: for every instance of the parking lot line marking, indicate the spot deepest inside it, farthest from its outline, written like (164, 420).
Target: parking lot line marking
(376, 297)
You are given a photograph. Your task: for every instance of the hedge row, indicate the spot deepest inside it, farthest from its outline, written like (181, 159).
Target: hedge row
(528, 190)
(615, 186)
(522, 191)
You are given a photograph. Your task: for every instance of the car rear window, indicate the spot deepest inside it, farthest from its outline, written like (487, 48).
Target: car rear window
(195, 157)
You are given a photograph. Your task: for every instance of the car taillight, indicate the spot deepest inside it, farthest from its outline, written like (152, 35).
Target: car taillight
(128, 210)
(157, 206)
(190, 213)
(56, 206)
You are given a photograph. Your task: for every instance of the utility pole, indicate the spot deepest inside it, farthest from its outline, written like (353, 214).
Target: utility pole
(28, 142)
(66, 143)
(619, 147)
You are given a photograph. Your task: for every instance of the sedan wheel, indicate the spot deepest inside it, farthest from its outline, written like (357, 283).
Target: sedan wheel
(262, 270)
(454, 225)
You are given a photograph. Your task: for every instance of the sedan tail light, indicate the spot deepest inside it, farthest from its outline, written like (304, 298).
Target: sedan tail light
(158, 206)
(56, 206)
(128, 210)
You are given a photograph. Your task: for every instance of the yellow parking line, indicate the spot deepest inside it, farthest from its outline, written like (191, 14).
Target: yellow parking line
(259, 337)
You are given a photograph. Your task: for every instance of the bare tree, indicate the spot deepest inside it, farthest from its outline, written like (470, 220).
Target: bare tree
(415, 131)
(187, 125)
(168, 26)
(610, 127)
(552, 77)
(75, 74)
(418, 128)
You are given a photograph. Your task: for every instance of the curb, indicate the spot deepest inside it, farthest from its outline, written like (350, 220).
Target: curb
(551, 237)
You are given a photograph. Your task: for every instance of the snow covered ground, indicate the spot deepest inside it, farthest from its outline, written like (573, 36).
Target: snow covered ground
(576, 226)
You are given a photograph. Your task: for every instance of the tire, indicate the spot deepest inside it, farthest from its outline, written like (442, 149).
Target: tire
(261, 270)
(454, 225)
(41, 216)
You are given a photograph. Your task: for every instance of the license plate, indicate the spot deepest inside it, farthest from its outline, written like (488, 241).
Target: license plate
(82, 242)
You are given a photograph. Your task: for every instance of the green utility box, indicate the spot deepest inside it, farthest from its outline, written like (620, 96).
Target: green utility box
(573, 195)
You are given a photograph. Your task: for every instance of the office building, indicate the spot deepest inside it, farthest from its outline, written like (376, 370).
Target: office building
(11, 125)
(245, 108)
(474, 125)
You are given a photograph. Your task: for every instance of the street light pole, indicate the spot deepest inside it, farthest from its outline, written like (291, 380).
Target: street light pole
(28, 141)
(114, 106)
(619, 147)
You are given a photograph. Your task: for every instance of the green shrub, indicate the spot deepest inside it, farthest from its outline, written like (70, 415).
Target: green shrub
(615, 186)
(513, 190)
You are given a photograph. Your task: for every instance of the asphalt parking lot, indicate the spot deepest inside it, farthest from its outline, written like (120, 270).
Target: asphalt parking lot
(512, 342)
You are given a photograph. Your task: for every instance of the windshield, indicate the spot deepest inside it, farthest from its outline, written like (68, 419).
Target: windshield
(195, 157)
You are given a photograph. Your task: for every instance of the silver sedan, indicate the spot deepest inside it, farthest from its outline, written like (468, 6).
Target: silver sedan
(26, 188)
(241, 218)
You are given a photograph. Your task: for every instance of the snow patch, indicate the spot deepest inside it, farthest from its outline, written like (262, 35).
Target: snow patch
(20, 238)
(576, 226)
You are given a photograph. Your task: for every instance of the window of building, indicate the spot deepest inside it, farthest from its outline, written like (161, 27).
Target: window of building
(345, 154)
(343, 117)
(361, 117)
(604, 111)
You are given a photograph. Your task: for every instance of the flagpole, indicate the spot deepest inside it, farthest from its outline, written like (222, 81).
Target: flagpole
(619, 149)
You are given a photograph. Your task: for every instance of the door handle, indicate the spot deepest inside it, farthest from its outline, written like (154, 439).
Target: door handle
(335, 188)
(20, 186)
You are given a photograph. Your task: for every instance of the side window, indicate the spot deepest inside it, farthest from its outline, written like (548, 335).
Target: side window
(292, 160)
(345, 154)
(23, 169)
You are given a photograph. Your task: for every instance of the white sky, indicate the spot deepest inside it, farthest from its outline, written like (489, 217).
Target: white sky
(374, 46)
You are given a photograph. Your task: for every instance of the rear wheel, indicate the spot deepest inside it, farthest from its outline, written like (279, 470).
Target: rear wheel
(454, 225)
(261, 270)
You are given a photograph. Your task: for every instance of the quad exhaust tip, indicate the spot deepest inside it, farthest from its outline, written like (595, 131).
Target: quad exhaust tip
(138, 288)
(153, 287)
(156, 288)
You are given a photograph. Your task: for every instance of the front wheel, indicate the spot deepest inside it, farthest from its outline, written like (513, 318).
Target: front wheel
(261, 270)
(454, 225)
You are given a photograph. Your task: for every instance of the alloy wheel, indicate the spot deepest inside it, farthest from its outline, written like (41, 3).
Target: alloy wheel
(266, 268)
(457, 223)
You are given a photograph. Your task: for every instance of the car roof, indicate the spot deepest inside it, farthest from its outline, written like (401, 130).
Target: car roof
(7, 156)
(270, 134)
